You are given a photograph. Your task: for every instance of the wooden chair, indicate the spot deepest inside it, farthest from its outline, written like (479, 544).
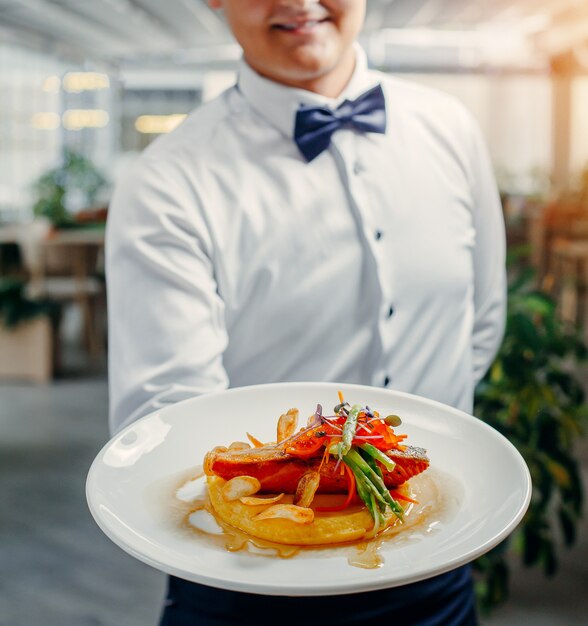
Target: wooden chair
(63, 268)
(570, 268)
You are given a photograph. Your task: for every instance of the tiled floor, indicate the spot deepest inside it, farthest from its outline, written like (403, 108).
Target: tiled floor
(56, 566)
(58, 569)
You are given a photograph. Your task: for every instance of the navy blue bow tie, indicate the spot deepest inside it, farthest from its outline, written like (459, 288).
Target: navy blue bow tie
(315, 125)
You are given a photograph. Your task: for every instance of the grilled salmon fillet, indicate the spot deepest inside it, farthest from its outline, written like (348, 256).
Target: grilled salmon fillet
(278, 471)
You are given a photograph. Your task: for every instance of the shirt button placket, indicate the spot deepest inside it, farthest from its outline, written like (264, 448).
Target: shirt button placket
(357, 169)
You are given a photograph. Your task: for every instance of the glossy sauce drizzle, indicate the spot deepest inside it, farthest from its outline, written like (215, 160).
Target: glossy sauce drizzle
(189, 511)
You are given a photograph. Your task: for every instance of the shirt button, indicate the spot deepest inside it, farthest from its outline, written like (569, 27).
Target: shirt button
(387, 381)
(390, 311)
(357, 168)
(378, 235)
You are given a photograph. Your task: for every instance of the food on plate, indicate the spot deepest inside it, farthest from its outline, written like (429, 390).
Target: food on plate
(287, 491)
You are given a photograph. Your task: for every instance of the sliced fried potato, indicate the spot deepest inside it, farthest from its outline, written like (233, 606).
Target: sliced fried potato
(297, 514)
(306, 489)
(287, 424)
(252, 501)
(239, 487)
(209, 459)
(256, 443)
(239, 445)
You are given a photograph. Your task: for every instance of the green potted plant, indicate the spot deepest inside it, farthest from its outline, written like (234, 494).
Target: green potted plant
(26, 333)
(75, 178)
(532, 395)
(16, 308)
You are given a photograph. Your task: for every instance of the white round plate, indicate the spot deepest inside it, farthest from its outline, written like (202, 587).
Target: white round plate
(495, 493)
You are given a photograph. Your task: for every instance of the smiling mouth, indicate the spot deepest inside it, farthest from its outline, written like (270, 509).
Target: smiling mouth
(299, 25)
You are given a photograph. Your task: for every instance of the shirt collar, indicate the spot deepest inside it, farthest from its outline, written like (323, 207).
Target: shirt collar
(278, 103)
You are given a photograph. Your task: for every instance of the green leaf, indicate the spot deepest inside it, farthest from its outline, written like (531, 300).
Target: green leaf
(531, 545)
(548, 557)
(567, 522)
(560, 474)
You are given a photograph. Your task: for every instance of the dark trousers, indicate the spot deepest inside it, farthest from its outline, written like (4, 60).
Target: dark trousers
(446, 600)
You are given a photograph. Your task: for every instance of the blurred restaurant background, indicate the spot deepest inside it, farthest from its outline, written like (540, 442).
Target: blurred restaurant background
(85, 86)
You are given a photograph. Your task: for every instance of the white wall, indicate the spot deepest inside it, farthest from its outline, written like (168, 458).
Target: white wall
(27, 151)
(24, 151)
(514, 113)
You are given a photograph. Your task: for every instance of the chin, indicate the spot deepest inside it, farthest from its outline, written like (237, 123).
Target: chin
(310, 63)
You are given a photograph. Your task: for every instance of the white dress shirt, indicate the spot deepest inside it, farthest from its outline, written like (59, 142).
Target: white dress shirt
(232, 261)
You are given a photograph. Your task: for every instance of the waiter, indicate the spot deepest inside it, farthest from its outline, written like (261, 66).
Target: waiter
(318, 221)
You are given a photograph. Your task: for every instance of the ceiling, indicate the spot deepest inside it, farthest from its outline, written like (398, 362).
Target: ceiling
(143, 32)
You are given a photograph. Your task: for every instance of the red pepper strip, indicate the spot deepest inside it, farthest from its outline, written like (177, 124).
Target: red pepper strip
(325, 456)
(399, 496)
(350, 494)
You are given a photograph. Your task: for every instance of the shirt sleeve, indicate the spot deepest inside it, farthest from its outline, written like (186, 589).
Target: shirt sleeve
(488, 256)
(166, 319)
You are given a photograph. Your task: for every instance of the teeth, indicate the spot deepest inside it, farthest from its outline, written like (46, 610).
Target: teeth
(308, 24)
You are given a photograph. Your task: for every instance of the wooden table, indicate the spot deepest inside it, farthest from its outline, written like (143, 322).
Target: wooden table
(90, 236)
(81, 245)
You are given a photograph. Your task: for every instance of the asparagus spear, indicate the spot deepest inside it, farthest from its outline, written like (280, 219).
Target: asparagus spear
(370, 485)
(378, 455)
(366, 493)
(372, 463)
(376, 481)
(349, 429)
